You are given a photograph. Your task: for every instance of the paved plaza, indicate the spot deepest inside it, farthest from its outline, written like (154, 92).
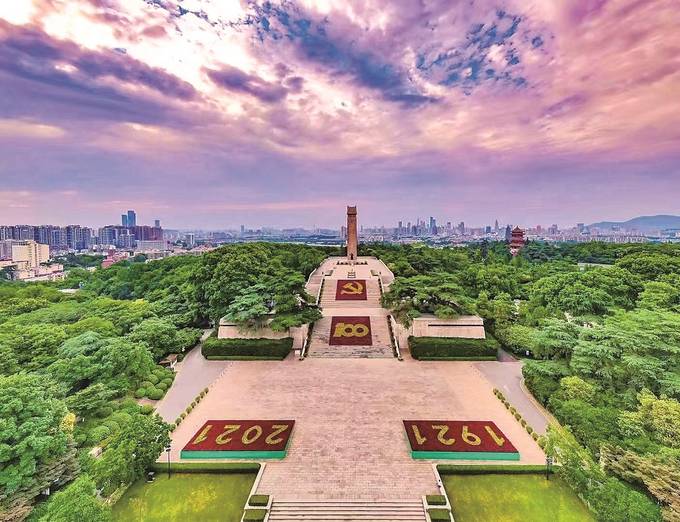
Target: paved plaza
(349, 441)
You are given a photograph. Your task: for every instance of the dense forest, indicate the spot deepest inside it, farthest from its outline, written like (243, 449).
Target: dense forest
(75, 366)
(602, 347)
(600, 340)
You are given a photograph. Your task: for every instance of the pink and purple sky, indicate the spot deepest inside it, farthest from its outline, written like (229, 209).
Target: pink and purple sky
(212, 113)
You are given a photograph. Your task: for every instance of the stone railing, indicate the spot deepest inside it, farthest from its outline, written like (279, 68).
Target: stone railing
(320, 291)
(307, 341)
(392, 326)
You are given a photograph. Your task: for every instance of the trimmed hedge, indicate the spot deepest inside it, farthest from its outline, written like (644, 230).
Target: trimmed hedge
(436, 500)
(467, 358)
(493, 469)
(439, 515)
(247, 348)
(208, 467)
(243, 358)
(258, 500)
(453, 348)
(254, 515)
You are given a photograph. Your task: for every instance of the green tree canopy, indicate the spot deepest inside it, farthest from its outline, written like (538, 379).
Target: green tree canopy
(77, 503)
(31, 432)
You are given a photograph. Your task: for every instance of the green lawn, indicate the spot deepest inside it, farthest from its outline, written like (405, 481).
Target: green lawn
(185, 496)
(513, 498)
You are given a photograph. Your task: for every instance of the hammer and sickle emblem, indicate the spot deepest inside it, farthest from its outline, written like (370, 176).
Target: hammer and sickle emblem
(350, 330)
(352, 288)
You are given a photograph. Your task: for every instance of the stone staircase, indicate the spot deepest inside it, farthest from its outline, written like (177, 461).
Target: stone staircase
(381, 347)
(328, 296)
(343, 511)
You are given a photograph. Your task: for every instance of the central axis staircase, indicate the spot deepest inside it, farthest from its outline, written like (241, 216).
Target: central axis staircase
(345, 511)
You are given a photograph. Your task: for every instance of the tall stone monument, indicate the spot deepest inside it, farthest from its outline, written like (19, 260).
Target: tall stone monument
(352, 237)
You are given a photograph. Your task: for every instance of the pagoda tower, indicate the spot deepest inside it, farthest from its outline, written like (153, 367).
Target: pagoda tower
(517, 241)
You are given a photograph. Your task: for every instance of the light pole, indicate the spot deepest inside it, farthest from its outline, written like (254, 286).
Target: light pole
(167, 451)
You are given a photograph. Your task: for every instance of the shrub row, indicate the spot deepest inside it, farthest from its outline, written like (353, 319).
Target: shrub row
(540, 440)
(439, 514)
(274, 348)
(189, 408)
(435, 500)
(254, 515)
(453, 348)
(471, 469)
(208, 467)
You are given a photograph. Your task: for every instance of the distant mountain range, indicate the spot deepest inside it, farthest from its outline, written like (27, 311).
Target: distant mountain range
(643, 223)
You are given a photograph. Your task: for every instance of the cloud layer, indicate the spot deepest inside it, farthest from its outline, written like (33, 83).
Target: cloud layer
(209, 113)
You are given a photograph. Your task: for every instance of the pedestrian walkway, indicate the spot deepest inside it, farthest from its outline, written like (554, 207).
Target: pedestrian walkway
(507, 377)
(194, 374)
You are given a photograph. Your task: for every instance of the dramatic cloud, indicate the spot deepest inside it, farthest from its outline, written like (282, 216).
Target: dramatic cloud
(215, 112)
(234, 79)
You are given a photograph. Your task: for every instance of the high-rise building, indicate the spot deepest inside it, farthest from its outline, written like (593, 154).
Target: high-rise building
(58, 240)
(131, 218)
(146, 233)
(30, 252)
(124, 220)
(5, 249)
(190, 240)
(495, 227)
(157, 223)
(461, 228)
(6, 233)
(108, 235)
(78, 238)
(23, 232)
(243, 230)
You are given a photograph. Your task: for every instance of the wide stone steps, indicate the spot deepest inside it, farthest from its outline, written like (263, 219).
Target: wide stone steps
(347, 352)
(381, 343)
(341, 511)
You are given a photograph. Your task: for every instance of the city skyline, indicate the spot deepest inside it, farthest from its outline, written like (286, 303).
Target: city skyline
(129, 219)
(208, 114)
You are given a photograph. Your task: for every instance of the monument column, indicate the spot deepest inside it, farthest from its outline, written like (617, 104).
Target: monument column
(352, 237)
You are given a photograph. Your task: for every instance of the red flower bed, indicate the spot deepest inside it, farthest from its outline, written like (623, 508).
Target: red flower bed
(456, 436)
(242, 435)
(355, 331)
(350, 290)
